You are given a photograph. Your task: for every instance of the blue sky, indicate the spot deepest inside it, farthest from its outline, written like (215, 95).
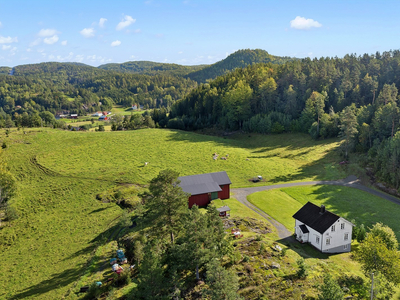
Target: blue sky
(191, 32)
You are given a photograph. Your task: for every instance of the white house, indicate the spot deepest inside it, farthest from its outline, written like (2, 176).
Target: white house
(97, 114)
(324, 230)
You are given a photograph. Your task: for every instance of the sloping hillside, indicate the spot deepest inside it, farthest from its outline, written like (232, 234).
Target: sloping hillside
(239, 59)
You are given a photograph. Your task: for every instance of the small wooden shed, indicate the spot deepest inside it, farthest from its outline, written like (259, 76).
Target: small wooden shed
(224, 211)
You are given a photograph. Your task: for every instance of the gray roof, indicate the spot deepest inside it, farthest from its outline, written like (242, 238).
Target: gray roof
(223, 208)
(204, 183)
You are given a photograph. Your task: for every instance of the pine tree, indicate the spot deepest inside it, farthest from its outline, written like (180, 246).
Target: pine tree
(348, 129)
(222, 284)
(165, 204)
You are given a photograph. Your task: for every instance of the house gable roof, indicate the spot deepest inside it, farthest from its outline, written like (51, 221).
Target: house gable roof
(310, 214)
(204, 183)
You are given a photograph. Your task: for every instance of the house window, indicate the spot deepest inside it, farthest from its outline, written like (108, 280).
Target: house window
(317, 239)
(333, 228)
(328, 241)
(342, 226)
(345, 247)
(346, 236)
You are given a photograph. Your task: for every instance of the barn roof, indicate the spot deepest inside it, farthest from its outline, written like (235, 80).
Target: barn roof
(204, 183)
(316, 217)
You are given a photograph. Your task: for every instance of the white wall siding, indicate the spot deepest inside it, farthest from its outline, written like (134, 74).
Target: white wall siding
(337, 237)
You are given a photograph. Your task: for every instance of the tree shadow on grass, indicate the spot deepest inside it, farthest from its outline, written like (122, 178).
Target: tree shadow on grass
(285, 142)
(57, 281)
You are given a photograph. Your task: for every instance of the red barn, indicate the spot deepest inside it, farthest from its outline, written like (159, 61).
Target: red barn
(206, 187)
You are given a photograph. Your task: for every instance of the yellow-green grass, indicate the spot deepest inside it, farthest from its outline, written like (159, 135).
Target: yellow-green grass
(118, 109)
(278, 205)
(49, 248)
(349, 203)
(239, 210)
(121, 156)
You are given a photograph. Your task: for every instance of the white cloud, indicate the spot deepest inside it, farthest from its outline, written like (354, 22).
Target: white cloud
(64, 43)
(101, 22)
(126, 21)
(303, 23)
(79, 57)
(6, 47)
(115, 43)
(137, 31)
(8, 40)
(1, 25)
(47, 32)
(180, 52)
(29, 50)
(35, 42)
(87, 32)
(51, 40)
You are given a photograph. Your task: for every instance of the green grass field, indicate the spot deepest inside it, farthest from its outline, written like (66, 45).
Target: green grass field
(51, 246)
(120, 156)
(349, 203)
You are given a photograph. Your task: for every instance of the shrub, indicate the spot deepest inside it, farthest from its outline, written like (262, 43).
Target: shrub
(11, 213)
(94, 292)
(302, 271)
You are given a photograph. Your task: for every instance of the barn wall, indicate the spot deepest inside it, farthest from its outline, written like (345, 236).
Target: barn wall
(225, 193)
(199, 200)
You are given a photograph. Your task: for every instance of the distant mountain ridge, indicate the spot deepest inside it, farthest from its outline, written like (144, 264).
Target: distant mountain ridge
(151, 68)
(199, 73)
(238, 59)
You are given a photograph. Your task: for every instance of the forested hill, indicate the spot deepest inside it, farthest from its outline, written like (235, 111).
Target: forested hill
(82, 89)
(151, 68)
(355, 97)
(239, 59)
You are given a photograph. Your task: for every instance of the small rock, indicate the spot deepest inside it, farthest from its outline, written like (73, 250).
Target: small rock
(275, 266)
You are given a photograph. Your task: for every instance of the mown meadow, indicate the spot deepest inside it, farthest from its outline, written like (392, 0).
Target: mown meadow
(51, 246)
(349, 203)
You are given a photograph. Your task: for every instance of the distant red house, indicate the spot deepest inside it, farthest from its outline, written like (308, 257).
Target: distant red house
(206, 187)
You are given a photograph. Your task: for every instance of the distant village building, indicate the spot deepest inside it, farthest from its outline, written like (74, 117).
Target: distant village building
(97, 114)
(74, 116)
(324, 230)
(206, 187)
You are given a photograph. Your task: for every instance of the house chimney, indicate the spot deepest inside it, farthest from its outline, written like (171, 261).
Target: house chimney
(322, 209)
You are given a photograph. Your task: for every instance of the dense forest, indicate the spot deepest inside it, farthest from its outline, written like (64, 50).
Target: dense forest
(151, 68)
(355, 97)
(239, 59)
(81, 89)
